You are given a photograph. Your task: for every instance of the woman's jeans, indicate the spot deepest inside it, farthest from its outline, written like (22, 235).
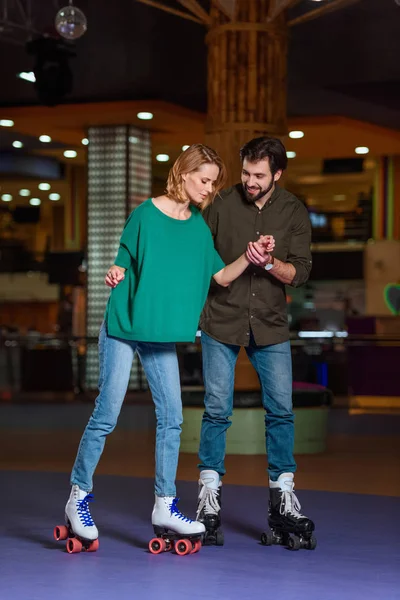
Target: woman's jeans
(160, 365)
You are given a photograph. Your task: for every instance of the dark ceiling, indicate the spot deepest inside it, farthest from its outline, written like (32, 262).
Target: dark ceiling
(346, 63)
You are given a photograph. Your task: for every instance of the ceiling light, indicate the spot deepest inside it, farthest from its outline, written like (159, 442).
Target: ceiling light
(24, 192)
(361, 150)
(6, 197)
(291, 154)
(70, 154)
(54, 197)
(27, 76)
(17, 144)
(185, 148)
(145, 116)
(45, 187)
(46, 139)
(296, 135)
(85, 142)
(162, 157)
(6, 123)
(35, 201)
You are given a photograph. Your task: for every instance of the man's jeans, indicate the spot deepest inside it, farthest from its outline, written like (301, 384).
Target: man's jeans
(160, 364)
(274, 368)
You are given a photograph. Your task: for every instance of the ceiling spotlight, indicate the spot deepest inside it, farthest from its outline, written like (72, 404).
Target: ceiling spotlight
(70, 154)
(361, 150)
(17, 144)
(85, 142)
(46, 139)
(24, 192)
(185, 148)
(54, 197)
(291, 154)
(27, 76)
(45, 187)
(35, 202)
(162, 157)
(6, 197)
(6, 123)
(296, 135)
(145, 116)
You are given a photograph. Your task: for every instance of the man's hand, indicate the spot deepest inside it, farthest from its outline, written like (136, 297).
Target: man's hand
(114, 276)
(259, 253)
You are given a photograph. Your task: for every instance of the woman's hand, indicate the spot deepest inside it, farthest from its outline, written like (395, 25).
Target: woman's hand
(259, 252)
(268, 241)
(114, 276)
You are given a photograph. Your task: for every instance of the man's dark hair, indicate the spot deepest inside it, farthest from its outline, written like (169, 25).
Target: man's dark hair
(265, 147)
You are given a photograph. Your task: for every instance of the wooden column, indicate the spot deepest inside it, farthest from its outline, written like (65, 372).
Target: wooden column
(247, 58)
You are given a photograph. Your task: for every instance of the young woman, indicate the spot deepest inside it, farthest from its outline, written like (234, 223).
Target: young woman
(159, 282)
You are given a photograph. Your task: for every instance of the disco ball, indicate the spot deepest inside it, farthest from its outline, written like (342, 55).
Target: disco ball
(71, 23)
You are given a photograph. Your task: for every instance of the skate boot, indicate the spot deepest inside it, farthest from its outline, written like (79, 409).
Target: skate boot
(80, 531)
(173, 529)
(288, 526)
(209, 507)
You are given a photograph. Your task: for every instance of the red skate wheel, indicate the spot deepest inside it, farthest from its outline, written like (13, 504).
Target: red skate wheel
(94, 546)
(157, 545)
(74, 546)
(60, 532)
(183, 547)
(196, 546)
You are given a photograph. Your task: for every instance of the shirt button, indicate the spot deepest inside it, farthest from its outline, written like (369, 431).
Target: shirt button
(251, 316)
(257, 232)
(248, 333)
(253, 294)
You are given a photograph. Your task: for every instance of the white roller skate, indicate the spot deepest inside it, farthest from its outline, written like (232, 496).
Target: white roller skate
(80, 531)
(173, 529)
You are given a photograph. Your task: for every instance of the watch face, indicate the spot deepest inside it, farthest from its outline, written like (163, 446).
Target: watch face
(268, 267)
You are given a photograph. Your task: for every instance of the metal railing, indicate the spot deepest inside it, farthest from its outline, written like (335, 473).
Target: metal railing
(347, 364)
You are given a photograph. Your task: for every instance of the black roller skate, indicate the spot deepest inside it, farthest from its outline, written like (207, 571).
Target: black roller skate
(288, 527)
(209, 507)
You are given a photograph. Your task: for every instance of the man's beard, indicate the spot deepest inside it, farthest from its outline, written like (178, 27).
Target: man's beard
(253, 199)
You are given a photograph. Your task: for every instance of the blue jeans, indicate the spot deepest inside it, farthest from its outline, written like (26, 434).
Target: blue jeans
(274, 368)
(160, 364)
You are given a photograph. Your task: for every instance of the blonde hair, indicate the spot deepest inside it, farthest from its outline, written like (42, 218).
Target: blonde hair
(189, 161)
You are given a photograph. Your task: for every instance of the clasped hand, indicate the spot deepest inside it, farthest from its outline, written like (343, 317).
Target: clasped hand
(259, 252)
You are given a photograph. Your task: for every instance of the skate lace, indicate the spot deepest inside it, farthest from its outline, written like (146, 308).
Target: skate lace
(208, 501)
(290, 504)
(84, 512)
(177, 513)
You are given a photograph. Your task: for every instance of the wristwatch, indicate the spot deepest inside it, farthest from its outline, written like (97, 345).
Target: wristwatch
(269, 266)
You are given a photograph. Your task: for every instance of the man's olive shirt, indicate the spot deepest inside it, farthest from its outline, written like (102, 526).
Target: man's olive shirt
(256, 301)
